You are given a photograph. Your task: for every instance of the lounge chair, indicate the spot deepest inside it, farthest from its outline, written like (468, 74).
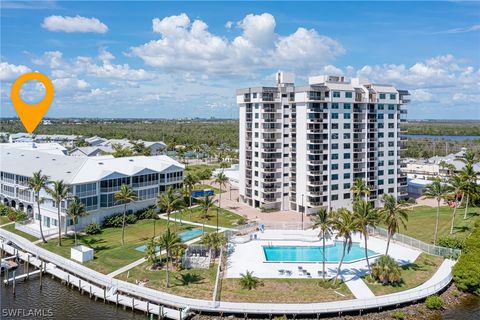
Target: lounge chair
(281, 272)
(288, 272)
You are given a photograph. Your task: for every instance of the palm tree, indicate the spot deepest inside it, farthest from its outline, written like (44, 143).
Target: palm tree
(214, 241)
(152, 214)
(323, 221)
(167, 241)
(206, 204)
(470, 188)
(248, 281)
(76, 209)
(394, 215)
(458, 185)
(222, 181)
(345, 225)
(168, 202)
(124, 196)
(365, 215)
(37, 183)
(438, 191)
(59, 192)
(151, 250)
(360, 188)
(189, 183)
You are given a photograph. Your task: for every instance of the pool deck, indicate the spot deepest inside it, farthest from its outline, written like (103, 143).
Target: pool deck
(250, 256)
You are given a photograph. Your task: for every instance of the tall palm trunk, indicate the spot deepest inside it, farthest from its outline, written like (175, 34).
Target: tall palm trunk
(190, 208)
(341, 262)
(40, 217)
(323, 261)
(389, 236)
(166, 270)
(466, 207)
(436, 223)
(59, 223)
(75, 231)
(123, 224)
(154, 222)
(366, 251)
(453, 215)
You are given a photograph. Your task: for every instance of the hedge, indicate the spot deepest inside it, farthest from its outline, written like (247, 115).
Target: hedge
(466, 272)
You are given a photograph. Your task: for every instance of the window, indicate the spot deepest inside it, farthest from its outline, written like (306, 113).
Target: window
(335, 176)
(380, 125)
(334, 146)
(346, 196)
(380, 116)
(348, 94)
(254, 95)
(346, 166)
(391, 106)
(334, 115)
(334, 136)
(380, 172)
(380, 107)
(334, 125)
(346, 186)
(256, 115)
(382, 95)
(347, 106)
(334, 166)
(346, 126)
(336, 94)
(393, 96)
(346, 116)
(346, 136)
(346, 155)
(346, 146)
(334, 197)
(390, 171)
(346, 175)
(380, 182)
(334, 187)
(334, 156)
(334, 105)
(391, 116)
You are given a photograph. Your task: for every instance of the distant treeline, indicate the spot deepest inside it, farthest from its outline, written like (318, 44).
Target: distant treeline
(453, 128)
(426, 148)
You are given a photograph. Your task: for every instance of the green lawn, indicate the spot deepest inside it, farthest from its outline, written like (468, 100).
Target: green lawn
(283, 291)
(3, 220)
(413, 275)
(193, 283)
(109, 252)
(11, 228)
(225, 218)
(421, 222)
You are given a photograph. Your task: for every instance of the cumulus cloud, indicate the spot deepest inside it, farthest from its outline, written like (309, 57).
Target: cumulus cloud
(189, 46)
(229, 24)
(11, 72)
(74, 24)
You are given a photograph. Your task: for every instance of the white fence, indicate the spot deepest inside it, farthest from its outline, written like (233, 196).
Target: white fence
(443, 274)
(412, 242)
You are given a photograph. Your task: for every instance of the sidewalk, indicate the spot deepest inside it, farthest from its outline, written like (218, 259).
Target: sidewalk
(359, 289)
(197, 224)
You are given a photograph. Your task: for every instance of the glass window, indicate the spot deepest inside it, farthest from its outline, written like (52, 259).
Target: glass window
(380, 107)
(347, 106)
(346, 175)
(334, 146)
(335, 176)
(334, 115)
(334, 156)
(382, 95)
(336, 94)
(346, 126)
(334, 105)
(346, 155)
(346, 115)
(348, 94)
(334, 166)
(346, 186)
(334, 186)
(393, 96)
(346, 166)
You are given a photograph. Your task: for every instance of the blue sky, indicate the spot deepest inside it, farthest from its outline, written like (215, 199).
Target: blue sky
(185, 59)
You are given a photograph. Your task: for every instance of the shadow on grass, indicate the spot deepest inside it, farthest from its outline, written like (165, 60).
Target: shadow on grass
(188, 278)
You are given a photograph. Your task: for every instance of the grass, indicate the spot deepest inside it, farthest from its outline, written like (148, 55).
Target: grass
(108, 250)
(193, 283)
(421, 222)
(4, 220)
(283, 291)
(11, 228)
(413, 275)
(225, 218)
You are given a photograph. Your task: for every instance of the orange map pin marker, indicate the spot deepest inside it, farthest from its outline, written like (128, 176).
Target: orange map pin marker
(31, 114)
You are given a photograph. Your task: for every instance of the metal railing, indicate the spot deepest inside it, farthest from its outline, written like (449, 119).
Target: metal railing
(415, 243)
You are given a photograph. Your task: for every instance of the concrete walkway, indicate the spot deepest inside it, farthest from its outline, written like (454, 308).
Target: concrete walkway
(221, 229)
(359, 288)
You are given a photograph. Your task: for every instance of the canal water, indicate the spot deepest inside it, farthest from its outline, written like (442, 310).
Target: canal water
(57, 302)
(441, 137)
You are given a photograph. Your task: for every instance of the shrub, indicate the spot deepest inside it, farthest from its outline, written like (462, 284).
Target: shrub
(398, 315)
(20, 216)
(4, 210)
(386, 270)
(451, 242)
(466, 272)
(248, 281)
(241, 221)
(116, 220)
(434, 302)
(93, 228)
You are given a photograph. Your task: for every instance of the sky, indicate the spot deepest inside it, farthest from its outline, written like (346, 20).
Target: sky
(185, 59)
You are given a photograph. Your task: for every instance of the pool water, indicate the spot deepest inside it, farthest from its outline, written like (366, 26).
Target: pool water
(190, 234)
(333, 253)
(144, 247)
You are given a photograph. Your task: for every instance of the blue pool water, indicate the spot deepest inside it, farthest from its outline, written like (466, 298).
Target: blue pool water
(144, 247)
(190, 234)
(333, 253)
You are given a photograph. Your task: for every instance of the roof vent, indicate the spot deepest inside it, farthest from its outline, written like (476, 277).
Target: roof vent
(100, 163)
(53, 159)
(69, 172)
(37, 157)
(131, 160)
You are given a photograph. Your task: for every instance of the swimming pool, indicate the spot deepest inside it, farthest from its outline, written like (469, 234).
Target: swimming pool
(333, 253)
(190, 234)
(142, 248)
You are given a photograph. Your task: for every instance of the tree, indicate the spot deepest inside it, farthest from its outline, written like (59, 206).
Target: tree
(76, 209)
(438, 191)
(365, 215)
(167, 241)
(360, 189)
(36, 184)
(458, 185)
(206, 204)
(214, 241)
(59, 192)
(152, 214)
(168, 202)
(139, 148)
(394, 214)
(323, 221)
(125, 196)
(248, 281)
(151, 250)
(345, 225)
(121, 151)
(189, 183)
(386, 270)
(470, 187)
(222, 181)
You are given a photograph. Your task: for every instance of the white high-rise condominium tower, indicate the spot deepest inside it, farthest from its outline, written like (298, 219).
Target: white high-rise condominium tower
(301, 148)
